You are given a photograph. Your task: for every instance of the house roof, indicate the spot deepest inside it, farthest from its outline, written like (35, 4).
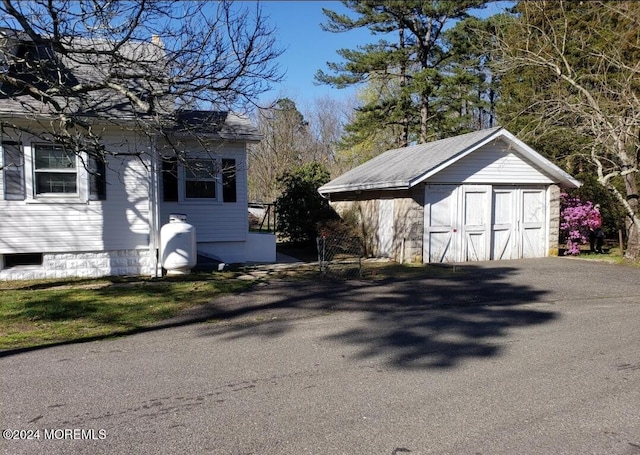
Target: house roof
(133, 68)
(405, 167)
(223, 125)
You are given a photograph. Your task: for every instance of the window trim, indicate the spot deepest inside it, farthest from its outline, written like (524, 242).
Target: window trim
(174, 178)
(36, 171)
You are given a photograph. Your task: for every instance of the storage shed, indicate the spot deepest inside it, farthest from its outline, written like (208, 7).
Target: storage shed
(480, 196)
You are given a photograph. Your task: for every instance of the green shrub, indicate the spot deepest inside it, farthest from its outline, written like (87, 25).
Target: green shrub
(300, 207)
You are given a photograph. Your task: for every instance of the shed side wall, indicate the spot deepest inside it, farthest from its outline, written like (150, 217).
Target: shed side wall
(408, 220)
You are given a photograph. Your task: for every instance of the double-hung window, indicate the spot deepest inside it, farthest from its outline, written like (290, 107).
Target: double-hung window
(204, 179)
(200, 179)
(55, 171)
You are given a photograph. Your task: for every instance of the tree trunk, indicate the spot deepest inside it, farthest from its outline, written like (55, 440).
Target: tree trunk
(632, 250)
(424, 119)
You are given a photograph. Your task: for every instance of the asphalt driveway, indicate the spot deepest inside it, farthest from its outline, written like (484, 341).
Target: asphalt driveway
(528, 356)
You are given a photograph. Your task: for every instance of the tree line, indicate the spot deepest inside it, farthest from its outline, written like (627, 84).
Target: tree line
(563, 75)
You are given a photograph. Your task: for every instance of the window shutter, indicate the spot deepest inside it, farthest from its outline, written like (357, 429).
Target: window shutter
(97, 179)
(170, 179)
(13, 162)
(229, 192)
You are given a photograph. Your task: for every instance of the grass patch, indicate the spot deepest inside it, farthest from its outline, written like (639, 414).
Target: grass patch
(34, 313)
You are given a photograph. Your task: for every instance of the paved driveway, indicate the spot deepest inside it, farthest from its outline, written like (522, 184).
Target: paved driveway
(528, 357)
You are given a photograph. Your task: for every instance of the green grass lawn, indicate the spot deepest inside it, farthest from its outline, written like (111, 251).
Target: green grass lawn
(37, 313)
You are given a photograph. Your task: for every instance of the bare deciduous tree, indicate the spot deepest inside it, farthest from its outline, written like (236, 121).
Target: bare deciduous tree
(591, 51)
(70, 67)
(292, 138)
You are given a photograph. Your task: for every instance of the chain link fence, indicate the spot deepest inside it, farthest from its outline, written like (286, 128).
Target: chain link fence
(340, 257)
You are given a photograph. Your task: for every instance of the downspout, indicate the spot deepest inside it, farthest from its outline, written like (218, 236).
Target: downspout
(154, 227)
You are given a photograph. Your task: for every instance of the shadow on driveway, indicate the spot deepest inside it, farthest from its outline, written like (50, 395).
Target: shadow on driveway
(433, 321)
(436, 319)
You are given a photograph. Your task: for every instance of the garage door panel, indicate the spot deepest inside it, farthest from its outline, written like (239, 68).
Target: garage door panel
(440, 216)
(476, 246)
(476, 225)
(440, 247)
(502, 244)
(503, 224)
(532, 243)
(533, 216)
(503, 207)
(533, 207)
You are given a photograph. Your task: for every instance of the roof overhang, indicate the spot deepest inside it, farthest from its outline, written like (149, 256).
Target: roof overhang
(554, 172)
(561, 177)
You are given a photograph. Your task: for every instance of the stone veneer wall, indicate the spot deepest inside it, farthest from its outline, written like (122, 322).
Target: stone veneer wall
(554, 220)
(408, 222)
(409, 227)
(85, 265)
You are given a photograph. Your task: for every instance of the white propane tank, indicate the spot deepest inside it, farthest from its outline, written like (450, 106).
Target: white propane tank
(178, 245)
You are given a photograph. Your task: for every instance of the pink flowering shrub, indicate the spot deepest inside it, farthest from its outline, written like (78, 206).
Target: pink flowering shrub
(577, 218)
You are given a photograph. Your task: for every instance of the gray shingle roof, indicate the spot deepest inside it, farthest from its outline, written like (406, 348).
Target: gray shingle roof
(404, 167)
(138, 67)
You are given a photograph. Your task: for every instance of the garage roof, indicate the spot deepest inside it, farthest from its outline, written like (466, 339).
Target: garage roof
(406, 167)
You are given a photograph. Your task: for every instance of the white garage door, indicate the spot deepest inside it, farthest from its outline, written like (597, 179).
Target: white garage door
(480, 222)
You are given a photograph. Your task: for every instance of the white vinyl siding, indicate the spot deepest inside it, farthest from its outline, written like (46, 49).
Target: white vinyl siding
(494, 163)
(215, 220)
(120, 222)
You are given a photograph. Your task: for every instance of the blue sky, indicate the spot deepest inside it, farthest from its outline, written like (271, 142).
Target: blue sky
(308, 47)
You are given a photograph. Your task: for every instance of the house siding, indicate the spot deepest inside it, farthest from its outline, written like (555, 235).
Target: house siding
(121, 222)
(492, 164)
(78, 237)
(221, 227)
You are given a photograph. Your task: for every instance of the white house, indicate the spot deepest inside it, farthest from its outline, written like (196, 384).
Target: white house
(63, 214)
(485, 195)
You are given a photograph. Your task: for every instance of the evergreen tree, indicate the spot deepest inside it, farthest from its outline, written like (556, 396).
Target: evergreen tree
(410, 68)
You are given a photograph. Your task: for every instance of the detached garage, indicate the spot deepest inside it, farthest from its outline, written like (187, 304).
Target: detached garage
(479, 196)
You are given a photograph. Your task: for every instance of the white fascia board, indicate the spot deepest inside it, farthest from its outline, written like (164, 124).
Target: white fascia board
(541, 161)
(363, 187)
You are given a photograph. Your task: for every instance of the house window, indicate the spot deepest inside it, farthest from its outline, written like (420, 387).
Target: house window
(13, 170)
(55, 170)
(200, 179)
